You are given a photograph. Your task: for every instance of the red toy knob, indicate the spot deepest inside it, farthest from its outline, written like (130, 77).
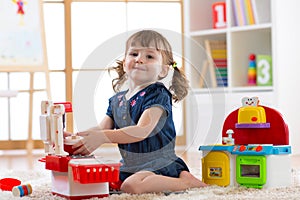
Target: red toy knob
(242, 148)
(259, 148)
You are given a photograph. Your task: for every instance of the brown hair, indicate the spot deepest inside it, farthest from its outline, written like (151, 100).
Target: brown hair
(145, 38)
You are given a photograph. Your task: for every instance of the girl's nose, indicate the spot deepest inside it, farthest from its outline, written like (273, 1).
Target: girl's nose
(139, 59)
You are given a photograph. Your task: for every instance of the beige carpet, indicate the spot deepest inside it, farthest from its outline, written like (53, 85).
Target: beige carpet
(40, 182)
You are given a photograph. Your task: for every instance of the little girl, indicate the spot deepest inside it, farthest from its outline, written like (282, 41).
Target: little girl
(140, 119)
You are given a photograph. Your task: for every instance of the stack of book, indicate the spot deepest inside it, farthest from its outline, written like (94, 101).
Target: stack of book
(249, 12)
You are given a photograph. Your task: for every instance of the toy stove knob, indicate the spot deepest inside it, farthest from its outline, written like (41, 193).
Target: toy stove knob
(259, 148)
(242, 148)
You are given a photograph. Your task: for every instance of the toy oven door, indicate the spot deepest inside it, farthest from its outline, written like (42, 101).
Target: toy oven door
(251, 170)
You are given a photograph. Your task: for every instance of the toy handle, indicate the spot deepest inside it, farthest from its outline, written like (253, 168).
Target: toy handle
(42, 160)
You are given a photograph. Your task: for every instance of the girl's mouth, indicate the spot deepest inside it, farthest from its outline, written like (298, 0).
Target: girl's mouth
(140, 68)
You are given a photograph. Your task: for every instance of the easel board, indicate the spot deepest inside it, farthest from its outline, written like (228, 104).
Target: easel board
(22, 37)
(23, 46)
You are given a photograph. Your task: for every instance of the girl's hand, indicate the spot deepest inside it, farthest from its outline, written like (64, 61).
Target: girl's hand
(91, 141)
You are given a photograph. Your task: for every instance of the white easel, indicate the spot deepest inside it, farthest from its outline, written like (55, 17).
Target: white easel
(12, 60)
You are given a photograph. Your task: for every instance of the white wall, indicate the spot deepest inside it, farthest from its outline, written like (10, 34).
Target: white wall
(287, 54)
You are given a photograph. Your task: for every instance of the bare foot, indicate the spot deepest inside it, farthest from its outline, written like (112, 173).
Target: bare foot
(190, 180)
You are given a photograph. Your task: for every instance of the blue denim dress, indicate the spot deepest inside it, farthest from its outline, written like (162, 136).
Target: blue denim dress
(156, 152)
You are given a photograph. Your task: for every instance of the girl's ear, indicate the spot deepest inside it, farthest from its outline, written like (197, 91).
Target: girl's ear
(123, 62)
(164, 71)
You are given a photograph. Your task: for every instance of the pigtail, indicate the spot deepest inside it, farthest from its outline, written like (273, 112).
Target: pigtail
(180, 85)
(120, 80)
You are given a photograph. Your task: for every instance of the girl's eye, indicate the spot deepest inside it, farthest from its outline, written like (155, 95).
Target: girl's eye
(134, 54)
(150, 56)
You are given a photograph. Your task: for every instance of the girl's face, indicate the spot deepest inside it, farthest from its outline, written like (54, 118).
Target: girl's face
(144, 65)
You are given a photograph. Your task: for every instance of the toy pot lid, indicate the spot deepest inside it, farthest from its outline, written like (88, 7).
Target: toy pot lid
(7, 184)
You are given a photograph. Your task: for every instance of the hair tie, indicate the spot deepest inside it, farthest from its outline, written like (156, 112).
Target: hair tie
(174, 65)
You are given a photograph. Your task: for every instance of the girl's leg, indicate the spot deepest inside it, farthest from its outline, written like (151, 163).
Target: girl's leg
(146, 181)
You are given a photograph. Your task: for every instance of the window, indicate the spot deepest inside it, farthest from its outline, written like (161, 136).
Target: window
(86, 37)
(90, 28)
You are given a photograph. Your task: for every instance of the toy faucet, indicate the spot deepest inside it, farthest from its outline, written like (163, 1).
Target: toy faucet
(45, 127)
(229, 139)
(51, 125)
(56, 117)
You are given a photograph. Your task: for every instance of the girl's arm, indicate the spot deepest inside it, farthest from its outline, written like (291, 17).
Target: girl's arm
(106, 123)
(136, 133)
(95, 137)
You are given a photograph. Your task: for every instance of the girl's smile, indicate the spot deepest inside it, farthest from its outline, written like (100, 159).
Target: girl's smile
(140, 67)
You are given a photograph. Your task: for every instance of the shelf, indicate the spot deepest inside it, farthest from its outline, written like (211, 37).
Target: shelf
(208, 32)
(241, 42)
(251, 27)
(210, 90)
(253, 89)
(234, 89)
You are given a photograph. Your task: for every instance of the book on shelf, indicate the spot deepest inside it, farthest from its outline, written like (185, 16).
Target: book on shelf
(249, 12)
(239, 14)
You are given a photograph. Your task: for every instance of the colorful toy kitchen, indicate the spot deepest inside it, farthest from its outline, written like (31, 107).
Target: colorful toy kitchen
(255, 150)
(73, 176)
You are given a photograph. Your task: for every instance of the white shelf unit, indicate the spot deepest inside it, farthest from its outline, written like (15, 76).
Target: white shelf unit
(210, 106)
(241, 40)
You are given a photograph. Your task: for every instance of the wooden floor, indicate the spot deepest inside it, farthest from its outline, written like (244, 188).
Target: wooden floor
(23, 160)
